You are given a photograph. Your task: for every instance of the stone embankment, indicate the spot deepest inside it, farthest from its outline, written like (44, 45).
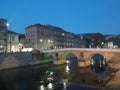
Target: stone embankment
(19, 59)
(114, 83)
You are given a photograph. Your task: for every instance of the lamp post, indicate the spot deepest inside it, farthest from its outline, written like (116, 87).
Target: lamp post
(41, 44)
(63, 34)
(9, 25)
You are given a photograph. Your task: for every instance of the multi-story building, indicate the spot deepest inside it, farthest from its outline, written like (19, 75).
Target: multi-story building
(38, 37)
(12, 41)
(3, 34)
(60, 37)
(78, 42)
(43, 37)
(70, 40)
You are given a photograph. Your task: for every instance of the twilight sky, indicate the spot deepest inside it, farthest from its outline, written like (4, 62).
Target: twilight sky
(76, 16)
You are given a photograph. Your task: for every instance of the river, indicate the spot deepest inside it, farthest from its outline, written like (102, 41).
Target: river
(31, 78)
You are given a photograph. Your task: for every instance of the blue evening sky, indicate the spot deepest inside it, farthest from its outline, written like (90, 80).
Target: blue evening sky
(76, 16)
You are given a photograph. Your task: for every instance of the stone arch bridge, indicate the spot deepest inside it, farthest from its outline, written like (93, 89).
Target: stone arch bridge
(86, 53)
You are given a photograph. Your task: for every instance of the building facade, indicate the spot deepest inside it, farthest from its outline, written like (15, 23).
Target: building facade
(38, 37)
(3, 34)
(13, 42)
(42, 37)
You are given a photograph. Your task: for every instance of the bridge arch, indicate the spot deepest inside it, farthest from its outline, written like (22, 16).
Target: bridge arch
(71, 56)
(65, 55)
(91, 55)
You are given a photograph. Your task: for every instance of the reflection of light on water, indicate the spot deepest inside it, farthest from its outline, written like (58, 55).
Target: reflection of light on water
(42, 87)
(100, 63)
(92, 62)
(65, 83)
(50, 79)
(103, 62)
(67, 69)
(50, 86)
(67, 61)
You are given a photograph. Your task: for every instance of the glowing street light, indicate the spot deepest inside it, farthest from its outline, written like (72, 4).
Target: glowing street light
(7, 24)
(41, 40)
(48, 41)
(63, 34)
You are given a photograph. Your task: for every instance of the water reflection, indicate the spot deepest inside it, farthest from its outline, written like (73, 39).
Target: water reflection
(48, 77)
(57, 77)
(98, 66)
(72, 63)
(98, 63)
(67, 69)
(42, 86)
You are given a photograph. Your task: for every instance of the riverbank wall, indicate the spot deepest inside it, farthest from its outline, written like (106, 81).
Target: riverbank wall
(20, 59)
(114, 82)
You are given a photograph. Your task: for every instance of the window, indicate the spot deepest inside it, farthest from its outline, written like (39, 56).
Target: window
(12, 38)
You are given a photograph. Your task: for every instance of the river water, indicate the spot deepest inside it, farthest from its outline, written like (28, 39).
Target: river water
(31, 78)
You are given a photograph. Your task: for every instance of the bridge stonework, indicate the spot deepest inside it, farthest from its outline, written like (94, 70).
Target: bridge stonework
(109, 54)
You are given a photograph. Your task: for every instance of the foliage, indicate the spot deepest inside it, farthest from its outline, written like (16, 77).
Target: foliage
(116, 41)
(47, 56)
(97, 40)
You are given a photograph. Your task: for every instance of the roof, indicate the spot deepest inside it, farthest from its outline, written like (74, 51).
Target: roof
(12, 32)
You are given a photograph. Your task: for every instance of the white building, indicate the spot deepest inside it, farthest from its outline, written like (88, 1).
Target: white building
(12, 42)
(110, 45)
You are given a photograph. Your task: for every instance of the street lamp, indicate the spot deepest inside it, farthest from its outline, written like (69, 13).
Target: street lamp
(48, 40)
(41, 40)
(63, 34)
(9, 25)
(41, 44)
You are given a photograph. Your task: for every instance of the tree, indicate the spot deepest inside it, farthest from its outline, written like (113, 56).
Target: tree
(115, 40)
(97, 40)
